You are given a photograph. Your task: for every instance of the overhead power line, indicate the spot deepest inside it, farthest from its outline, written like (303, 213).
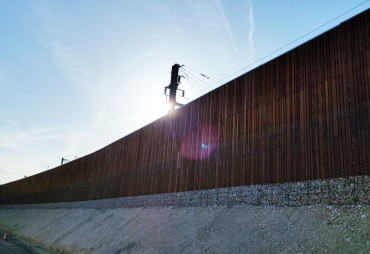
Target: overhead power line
(199, 85)
(297, 39)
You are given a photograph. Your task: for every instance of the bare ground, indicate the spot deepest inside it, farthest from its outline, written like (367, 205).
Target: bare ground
(215, 229)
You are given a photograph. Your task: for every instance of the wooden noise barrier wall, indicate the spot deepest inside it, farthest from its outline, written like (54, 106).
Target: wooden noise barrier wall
(304, 115)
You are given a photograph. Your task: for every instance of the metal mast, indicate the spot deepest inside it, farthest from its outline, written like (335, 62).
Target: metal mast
(175, 81)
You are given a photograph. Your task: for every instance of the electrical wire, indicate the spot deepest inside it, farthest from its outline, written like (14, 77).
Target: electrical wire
(213, 86)
(187, 66)
(201, 81)
(290, 43)
(198, 85)
(199, 91)
(189, 77)
(192, 81)
(193, 86)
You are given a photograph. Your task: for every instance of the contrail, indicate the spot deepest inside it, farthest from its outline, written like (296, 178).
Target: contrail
(251, 30)
(226, 22)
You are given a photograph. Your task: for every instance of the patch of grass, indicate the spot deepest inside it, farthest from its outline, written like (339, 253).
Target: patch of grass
(38, 245)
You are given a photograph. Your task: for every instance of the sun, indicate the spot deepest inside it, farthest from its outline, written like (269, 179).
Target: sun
(157, 108)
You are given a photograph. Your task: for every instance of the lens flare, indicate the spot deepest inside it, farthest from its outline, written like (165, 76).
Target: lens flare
(200, 144)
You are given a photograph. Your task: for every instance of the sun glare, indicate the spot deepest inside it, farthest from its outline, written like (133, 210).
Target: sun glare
(157, 110)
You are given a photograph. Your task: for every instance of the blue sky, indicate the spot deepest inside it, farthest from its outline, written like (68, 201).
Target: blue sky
(76, 75)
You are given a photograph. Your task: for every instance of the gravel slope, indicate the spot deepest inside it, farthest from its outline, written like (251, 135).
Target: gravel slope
(216, 229)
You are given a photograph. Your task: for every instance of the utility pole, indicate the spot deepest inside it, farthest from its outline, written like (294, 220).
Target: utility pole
(63, 160)
(175, 81)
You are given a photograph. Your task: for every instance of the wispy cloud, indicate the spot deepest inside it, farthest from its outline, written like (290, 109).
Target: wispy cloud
(24, 151)
(2, 75)
(214, 24)
(65, 45)
(226, 23)
(251, 29)
(67, 53)
(15, 138)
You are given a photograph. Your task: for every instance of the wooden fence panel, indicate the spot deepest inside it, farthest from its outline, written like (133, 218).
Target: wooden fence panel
(304, 115)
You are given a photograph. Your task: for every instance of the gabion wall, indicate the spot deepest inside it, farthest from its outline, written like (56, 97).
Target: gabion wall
(340, 191)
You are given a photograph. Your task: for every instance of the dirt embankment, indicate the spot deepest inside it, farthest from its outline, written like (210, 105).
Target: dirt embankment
(216, 229)
(12, 245)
